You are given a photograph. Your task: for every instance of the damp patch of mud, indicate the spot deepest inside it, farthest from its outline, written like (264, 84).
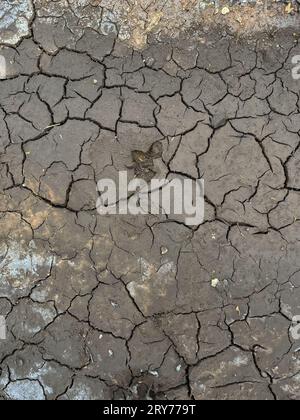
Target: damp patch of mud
(135, 21)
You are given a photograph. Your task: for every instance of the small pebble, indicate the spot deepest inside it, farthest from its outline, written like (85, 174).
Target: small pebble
(215, 283)
(164, 250)
(225, 10)
(153, 373)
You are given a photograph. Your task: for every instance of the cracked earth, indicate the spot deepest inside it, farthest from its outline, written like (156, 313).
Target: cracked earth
(125, 307)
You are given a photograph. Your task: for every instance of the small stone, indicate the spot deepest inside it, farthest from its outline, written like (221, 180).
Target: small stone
(110, 353)
(164, 250)
(153, 373)
(178, 368)
(225, 10)
(215, 283)
(95, 81)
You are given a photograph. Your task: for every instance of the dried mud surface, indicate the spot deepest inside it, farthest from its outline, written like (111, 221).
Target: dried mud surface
(147, 307)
